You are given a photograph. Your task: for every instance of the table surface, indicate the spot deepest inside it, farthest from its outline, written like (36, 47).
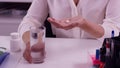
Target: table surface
(60, 53)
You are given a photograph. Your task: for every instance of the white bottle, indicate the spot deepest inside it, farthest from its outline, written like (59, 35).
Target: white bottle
(15, 42)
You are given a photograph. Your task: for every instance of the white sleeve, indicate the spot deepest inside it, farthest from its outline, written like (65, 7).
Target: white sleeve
(112, 19)
(36, 15)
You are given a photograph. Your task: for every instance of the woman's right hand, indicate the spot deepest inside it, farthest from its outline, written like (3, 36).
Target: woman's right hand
(27, 53)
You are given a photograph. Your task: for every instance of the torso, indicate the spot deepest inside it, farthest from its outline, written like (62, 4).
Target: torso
(91, 10)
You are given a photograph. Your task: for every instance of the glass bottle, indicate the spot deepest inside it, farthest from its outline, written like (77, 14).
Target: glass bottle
(37, 43)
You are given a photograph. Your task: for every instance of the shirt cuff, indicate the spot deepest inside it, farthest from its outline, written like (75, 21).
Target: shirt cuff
(108, 28)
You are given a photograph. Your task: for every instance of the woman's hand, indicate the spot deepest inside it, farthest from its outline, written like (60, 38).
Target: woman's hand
(67, 23)
(90, 27)
(36, 47)
(27, 53)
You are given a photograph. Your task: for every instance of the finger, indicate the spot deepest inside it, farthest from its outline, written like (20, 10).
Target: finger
(27, 56)
(69, 26)
(64, 24)
(54, 22)
(28, 45)
(50, 19)
(27, 53)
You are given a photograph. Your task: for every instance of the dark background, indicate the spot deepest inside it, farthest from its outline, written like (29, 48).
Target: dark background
(25, 6)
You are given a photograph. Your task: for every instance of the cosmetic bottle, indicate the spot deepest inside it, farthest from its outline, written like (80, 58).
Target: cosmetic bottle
(15, 42)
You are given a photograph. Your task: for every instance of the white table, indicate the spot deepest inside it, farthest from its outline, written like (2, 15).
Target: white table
(60, 53)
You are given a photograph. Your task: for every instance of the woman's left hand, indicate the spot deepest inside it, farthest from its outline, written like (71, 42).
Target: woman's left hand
(68, 23)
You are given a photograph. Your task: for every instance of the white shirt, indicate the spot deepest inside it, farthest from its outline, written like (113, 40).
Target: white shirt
(103, 12)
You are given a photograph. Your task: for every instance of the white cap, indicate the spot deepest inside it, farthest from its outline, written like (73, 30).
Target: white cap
(14, 35)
